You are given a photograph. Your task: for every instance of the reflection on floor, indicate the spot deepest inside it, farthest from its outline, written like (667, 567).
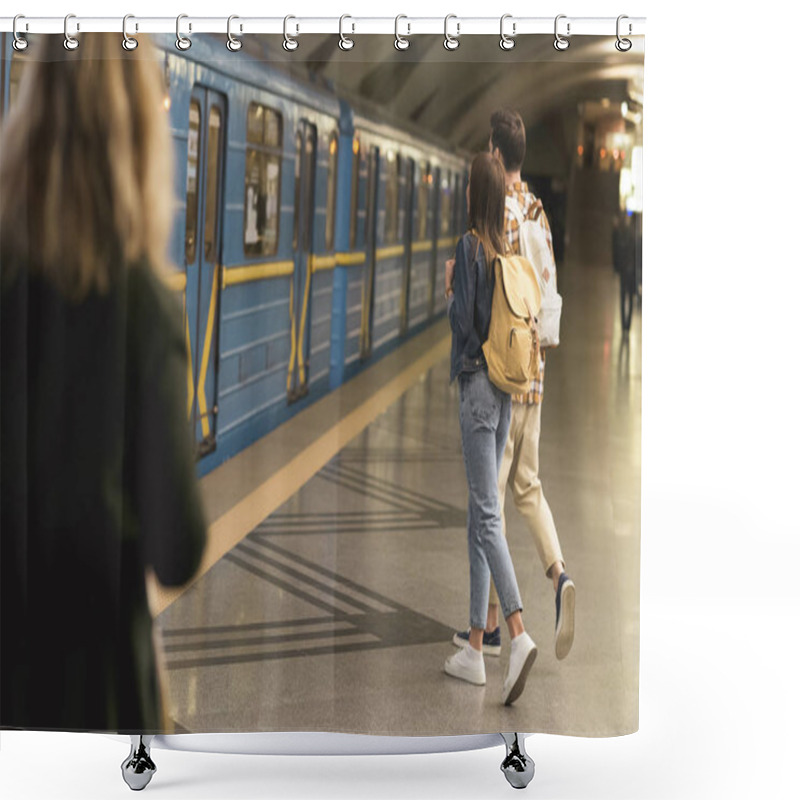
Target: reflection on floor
(335, 613)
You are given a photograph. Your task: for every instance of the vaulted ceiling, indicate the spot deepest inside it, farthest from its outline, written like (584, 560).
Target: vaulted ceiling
(451, 94)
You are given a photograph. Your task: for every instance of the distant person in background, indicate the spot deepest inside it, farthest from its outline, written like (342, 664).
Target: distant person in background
(637, 254)
(520, 464)
(623, 247)
(484, 414)
(98, 476)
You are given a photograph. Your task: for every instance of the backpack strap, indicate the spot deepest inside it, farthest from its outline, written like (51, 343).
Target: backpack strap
(514, 207)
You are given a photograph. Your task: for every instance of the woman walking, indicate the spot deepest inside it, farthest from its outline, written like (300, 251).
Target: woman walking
(485, 414)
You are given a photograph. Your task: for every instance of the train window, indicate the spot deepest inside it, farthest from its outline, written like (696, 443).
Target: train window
(445, 204)
(458, 202)
(392, 205)
(330, 208)
(408, 199)
(309, 175)
(298, 159)
(262, 180)
(354, 192)
(192, 194)
(212, 179)
(423, 200)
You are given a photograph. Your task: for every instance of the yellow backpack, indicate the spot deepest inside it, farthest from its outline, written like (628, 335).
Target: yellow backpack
(512, 349)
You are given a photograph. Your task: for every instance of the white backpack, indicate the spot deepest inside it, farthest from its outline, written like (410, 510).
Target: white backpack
(534, 245)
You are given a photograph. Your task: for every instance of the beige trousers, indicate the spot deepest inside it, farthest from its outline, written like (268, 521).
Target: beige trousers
(520, 468)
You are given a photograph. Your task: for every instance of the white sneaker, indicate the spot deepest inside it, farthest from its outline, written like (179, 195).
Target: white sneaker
(523, 654)
(467, 664)
(565, 615)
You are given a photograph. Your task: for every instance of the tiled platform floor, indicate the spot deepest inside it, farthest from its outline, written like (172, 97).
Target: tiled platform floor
(335, 613)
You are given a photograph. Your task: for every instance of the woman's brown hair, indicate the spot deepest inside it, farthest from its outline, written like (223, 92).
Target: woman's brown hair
(487, 202)
(86, 164)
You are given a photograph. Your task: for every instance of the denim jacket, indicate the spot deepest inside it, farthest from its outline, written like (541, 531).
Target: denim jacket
(469, 307)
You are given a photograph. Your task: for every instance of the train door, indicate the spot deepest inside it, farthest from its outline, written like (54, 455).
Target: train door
(305, 171)
(435, 237)
(407, 237)
(203, 256)
(370, 232)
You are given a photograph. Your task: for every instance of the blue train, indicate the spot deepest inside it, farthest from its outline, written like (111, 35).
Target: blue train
(312, 236)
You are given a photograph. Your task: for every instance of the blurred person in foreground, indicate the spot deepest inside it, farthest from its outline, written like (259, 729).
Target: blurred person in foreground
(98, 481)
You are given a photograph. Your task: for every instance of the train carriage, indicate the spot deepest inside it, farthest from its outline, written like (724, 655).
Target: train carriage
(309, 237)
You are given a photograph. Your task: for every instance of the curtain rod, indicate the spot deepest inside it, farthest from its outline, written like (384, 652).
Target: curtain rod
(297, 25)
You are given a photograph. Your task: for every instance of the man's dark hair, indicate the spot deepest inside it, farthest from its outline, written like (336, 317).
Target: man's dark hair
(508, 135)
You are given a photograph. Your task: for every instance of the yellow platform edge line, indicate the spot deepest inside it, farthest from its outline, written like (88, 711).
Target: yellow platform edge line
(233, 526)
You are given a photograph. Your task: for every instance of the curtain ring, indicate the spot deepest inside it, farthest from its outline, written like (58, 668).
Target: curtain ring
(290, 43)
(20, 42)
(70, 42)
(623, 45)
(233, 44)
(128, 42)
(344, 42)
(507, 42)
(451, 42)
(560, 43)
(401, 42)
(182, 42)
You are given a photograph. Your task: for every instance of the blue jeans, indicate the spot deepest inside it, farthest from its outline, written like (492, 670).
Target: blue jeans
(485, 414)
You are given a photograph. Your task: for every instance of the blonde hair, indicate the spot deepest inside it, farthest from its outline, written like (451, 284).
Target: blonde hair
(86, 164)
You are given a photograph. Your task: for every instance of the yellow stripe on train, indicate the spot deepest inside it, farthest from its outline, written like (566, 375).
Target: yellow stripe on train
(256, 272)
(232, 276)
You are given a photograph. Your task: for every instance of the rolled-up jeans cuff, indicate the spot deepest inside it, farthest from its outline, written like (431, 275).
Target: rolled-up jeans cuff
(514, 607)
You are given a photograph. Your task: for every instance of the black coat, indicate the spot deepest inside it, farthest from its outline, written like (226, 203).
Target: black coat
(98, 481)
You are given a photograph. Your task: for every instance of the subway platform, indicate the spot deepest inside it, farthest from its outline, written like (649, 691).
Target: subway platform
(337, 568)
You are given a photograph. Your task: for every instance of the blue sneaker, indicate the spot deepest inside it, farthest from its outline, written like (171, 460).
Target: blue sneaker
(491, 641)
(565, 615)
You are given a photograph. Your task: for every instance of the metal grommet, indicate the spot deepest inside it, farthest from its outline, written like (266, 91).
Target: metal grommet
(233, 44)
(128, 42)
(344, 42)
(400, 42)
(451, 42)
(289, 42)
(70, 42)
(623, 45)
(507, 42)
(560, 43)
(182, 42)
(20, 43)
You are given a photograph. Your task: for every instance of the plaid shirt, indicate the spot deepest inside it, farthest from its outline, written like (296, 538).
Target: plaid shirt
(531, 209)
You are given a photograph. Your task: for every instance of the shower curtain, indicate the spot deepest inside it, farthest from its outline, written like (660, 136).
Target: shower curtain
(235, 491)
